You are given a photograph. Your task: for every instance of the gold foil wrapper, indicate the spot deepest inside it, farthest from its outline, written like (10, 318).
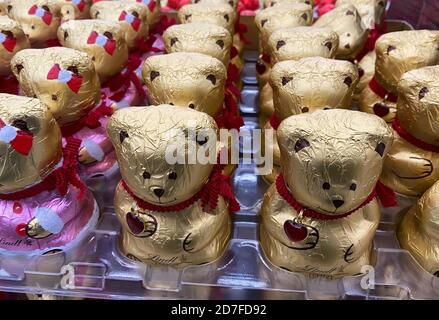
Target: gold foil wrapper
(220, 14)
(12, 33)
(39, 30)
(301, 42)
(397, 53)
(71, 11)
(366, 68)
(330, 150)
(272, 3)
(141, 137)
(232, 3)
(346, 21)
(408, 169)
(19, 171)
(32, 66)
(108, 63)
(184, 79)
(419, 229)
(371, 11)
(285, 15)
(312, 84)
(134, 30)
(199, 37)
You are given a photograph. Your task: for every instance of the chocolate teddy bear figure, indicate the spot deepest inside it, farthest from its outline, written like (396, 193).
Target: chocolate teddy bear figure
(320, 216)
(172, 213)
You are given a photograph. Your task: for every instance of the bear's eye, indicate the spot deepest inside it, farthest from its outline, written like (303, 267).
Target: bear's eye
(146, 175)
(326, 186)
(304, 16)
(46, 8)
(220, 43)
(32, 27)
(226, 17)
(66, 35)
(285, 80)
(153, 75)
(263, 22)
(192, 106)
(135, 14)
(349, 13)
(172, 176)
(280, 44)
(9, 8)
(423, 92)
(186, 17)
(19, 67)
(328, 45)
(108, 34)
(353, 187)
(348, 81)
(300, 144)
(380, 148)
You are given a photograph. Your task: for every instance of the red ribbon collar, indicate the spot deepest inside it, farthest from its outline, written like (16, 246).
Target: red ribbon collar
(217, 185)
(288, 197)
(381, 92)
(59, 179)
(396, 125)
(91, 120)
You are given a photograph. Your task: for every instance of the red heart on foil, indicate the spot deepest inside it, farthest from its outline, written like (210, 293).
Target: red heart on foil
(295, 231)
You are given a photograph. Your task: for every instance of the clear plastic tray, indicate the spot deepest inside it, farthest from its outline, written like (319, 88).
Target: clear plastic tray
(97, 269)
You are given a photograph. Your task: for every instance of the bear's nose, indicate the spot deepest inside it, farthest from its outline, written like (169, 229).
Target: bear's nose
(337, 203)
(158, 192)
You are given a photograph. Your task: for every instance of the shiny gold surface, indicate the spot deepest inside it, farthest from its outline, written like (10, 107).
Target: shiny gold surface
(200, 37)
(38, 31)
(346, 21)
(285, 15)
(312, 84)
(419, 229)
(271, 3)
(186, 79)
(12, 31)
(18, 170)
(112, 11)
(31, 67)
(371, 11)
(366, 67)
(302, 42)
(220, 14)
(408, 169)
(397, 53)
(75, 34)
(327, 148)
(186, 237)
(232, 3)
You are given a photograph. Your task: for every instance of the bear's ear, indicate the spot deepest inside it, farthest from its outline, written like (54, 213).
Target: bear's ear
(301, 144)
(27, 123)
(380, 148)
(123, 134)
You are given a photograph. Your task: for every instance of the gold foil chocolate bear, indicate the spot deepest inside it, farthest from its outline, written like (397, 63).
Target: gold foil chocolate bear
(220, 14)
(102, 40)
(64, 79)
(285, 15)
(346, 21)
(131, 16)
(186, 79)
(397, 53)
(12, 40)
(200, 37)
(371, 11)
(419, 228)
(294, 44)
(308, 85)
(321, 215)
(411, 166)
(38, 19)
(160, 205)
(271, 3)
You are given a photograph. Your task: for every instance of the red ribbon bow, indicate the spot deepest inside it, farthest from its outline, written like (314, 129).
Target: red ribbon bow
(135, 24)
(20, 140)
(9, 43)
(109, 46)
(75, 81)
(46, 17)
